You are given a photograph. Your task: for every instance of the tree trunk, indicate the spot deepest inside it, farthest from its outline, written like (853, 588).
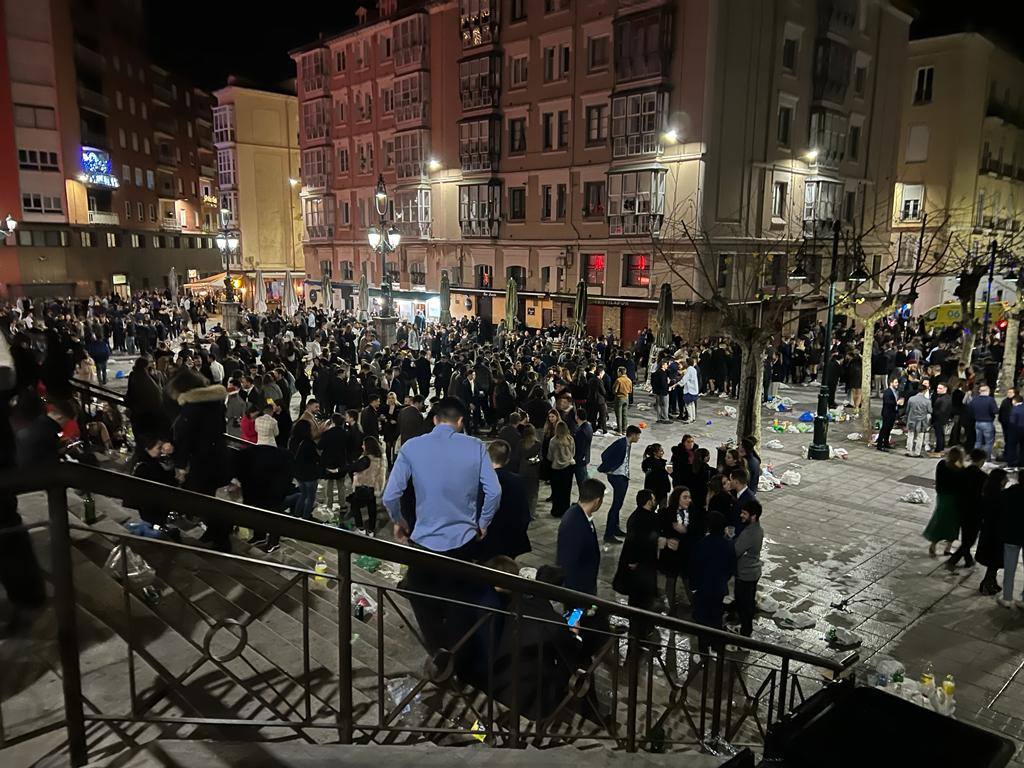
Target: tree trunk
(748, 416)
(865, 379)
(1008, 371)
(967, 348)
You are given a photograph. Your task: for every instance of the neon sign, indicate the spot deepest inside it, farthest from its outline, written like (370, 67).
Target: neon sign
(96, 169)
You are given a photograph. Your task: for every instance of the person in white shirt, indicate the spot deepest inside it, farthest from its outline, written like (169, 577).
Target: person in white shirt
(217, 370)
(691, 390)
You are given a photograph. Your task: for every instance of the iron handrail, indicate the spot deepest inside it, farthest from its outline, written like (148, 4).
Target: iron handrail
(107, 483)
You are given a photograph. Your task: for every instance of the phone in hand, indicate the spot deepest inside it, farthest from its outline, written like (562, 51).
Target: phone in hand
(572, 618)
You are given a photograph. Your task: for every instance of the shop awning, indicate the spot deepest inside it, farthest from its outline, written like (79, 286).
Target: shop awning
(400, 295)
(208, 283)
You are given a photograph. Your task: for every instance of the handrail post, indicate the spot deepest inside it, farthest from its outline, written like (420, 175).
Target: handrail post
(783, 680)
(67, 625)
(716, 711)
(632, 684)
(345, 682)
(514, 713)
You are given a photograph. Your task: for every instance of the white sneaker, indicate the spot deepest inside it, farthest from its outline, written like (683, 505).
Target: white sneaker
(1004, 603)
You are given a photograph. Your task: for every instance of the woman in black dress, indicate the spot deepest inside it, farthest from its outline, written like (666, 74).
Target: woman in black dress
(683, 457)
(389, 427)
(990, 545)
(656, 478)
(681, 523)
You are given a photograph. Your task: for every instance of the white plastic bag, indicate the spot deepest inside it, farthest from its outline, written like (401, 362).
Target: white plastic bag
(840, 453)
(854, 436)
(896, 432)
(767, 604)
(790, 477)
(791, 429)
(764, 484)
(776, 482)
(916, 496)
(730, 411)
(787, 620)
(139, 572)
(774, 445)
(840, 637)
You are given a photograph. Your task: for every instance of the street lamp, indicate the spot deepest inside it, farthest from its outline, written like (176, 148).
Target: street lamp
(819, 448)
(384, 239)
(227, 242)
(8, 225)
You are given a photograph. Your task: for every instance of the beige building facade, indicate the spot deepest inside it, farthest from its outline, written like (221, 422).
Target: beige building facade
(256, 136)
(551, 141)
(961, 154)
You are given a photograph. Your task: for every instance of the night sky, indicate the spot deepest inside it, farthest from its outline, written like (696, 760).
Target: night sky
(240, 38)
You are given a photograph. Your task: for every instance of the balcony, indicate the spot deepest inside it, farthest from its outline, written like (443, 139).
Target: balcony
(478, 29)
(483, 161)
(315, 85)
(410, 58)
(205, 142)
(411, 115)
(414, 229)
(208, 171)
(479, 227)
(167, 160)
(314, 183)
(170, 224)
(319, 233)
(104, 218)
(833, 63)
(836, 16)
(94, 139)
(990, 166)
(1005, 112)
(92, 100)
(89, 58)
(479, 98)
(163, 95)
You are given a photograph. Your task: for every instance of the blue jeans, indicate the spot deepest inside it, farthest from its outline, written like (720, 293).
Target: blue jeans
(302, 500)
(1011, 556)
(619, 484)
(985, 436)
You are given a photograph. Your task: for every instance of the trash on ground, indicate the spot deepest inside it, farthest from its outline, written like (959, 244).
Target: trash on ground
(767, 604)
(916, 496)
(774, 445)
(764, 484)
(363, 606)
(840, 637)
(367, 563)
(839, 453)
(139, 573)
(788, 620)
(855, 436)
(790, 477)
(806, 416)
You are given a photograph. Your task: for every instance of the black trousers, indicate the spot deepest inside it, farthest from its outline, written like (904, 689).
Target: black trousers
(441, 622)
(746, 592)
(883, 433)
(20, 575)
(968, 537)
(364, 496)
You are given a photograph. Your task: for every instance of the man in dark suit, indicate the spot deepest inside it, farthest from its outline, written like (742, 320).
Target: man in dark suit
(410, 420)
(510, 434)
(890, 406)
(579, 553)
(507, 533)
(369, 417)
(615, 464)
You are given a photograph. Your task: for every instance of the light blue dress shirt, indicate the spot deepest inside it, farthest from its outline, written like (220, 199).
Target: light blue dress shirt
(448, 469)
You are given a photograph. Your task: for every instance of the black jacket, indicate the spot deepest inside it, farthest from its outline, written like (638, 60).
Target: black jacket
(507, 534)
(579, 554)
(199, 441)
(265, 473)
(333, 447)
(640, 549)
(511, 436)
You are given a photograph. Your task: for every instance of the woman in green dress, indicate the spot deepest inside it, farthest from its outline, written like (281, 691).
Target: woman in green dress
(945, 522)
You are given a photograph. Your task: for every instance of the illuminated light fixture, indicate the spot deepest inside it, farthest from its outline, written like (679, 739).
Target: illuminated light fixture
(434, 164)
(294, 182)
(671, 136)
(380, 197)
(394, 238)
(811, 155)
(9, 226)
(373, 236)
(859, 275)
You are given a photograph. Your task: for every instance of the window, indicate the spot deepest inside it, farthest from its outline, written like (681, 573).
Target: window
(127, 210)
(785, 123)
(138, 177)
(344, 214)
(152, 212)
(150, 180)
(722, 273)
(597, 124)
(516, 135)
(518, 71)
(636, 202)
(87, 239)
(789, 51)
(593, 198)
(780, 194)
(411, 151)
(917, 144)
(597, 53)
(122, 138)
(343, 159)
(181, 189)
(517, 203)
(545, 202)
(37, 160)
(563, 129)
(821, 205)
(556, 63)
(347, 271)
(135, 239)
(479, 210)
(412, 207)
(387, 101)
(315, 123)
(518, 10)
(828, 135)
(849, 206)
(593, 269)
(484, 276)
(112, 240)
(554, 6)
(118, 100)
(854, 142)
(637, 122)
(140, 212)
(145, 145)
(126, 174)
(642, 44)
(478, 81)
(923, 85)
(339, 110)
(31, 116)
(226, 167)
(910, 202)
(131, 104)
(135, 141)
(224, 124)
(384, 44)
(339, 61)
(546, 126)
(478, 145)
(143, 111)
(860, 80)
(561, 196)
(636, 270)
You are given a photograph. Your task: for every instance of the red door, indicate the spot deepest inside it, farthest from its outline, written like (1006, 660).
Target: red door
(595, 316)
(634, 320)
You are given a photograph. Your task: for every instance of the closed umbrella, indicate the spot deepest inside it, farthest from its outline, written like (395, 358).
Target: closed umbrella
(664, 318)
(289, 302)
(326, 295)
(364, 300)
(446, 299)
(259, 302)
(579, 311)
(172, 285)
(511, 304)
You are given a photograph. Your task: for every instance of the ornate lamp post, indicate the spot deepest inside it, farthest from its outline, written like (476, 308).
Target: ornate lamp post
(7, 226)
(819, 448)
(227, 243)
(384, 239)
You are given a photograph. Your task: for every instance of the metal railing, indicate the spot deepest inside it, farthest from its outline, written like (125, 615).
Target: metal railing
(273, 646)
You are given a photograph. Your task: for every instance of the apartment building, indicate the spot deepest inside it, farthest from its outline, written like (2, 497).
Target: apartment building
(114, 154)
(256, 134)
(550, 141)
(961, 163)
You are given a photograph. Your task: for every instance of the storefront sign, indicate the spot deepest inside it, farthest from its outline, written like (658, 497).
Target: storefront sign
(96, 169)
(119, 279)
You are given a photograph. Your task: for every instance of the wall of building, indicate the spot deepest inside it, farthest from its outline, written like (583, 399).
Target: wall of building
(10, 193)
